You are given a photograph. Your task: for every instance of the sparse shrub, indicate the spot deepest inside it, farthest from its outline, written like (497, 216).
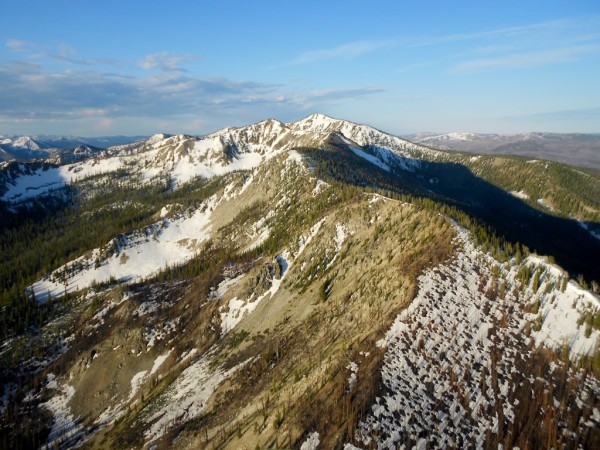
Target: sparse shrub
(502, 292)
(325, 290)
(563, 285)
(536, 280)
(238, 338)
(538, 322)
(278, 421)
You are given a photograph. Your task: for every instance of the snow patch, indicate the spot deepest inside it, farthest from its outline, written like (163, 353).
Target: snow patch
(586, 227)
(136, 382)
(545, 204)
(339, 238)
(7, 390)
(320, 187)
(304, 241)
(159, 361)
(186, 398)
(238, 309)
(372, 159)
(294, 156)
(353, 367)
(312, 442)
(149, 307)
(226, 284)
(45, 179)
(64, 425)
(520, 194)
(439, 349)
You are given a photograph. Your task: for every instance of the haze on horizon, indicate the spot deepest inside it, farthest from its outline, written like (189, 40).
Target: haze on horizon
(135, 68)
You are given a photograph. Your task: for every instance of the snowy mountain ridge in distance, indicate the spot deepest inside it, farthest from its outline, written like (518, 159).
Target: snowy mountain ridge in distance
(314, 284)
(572, 148)
(45, 146)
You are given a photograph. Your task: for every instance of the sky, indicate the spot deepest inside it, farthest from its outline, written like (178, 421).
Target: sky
(92, 68)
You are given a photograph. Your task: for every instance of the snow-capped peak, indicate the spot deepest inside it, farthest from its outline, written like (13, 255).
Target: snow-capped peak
(155, 138)
(26, 142)
(315, 122)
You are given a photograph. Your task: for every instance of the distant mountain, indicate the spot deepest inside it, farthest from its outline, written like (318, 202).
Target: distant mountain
(577, 149)
(46, 146)
(22, 147)
(75, 141)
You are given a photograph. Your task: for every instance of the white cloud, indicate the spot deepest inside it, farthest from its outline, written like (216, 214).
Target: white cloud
(18, 45)
(165, 60)
(30, 92)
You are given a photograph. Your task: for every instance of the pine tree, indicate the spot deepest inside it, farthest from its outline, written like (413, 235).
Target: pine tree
(536, 280)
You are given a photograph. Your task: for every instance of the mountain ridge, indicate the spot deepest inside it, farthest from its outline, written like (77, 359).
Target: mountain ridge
(579, 149)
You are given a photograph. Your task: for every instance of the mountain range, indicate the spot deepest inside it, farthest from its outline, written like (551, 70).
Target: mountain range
(46, 146)
(577, 149)
(314, 284)
(582, 150)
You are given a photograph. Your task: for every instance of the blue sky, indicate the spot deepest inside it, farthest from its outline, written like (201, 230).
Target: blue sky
(140, 67)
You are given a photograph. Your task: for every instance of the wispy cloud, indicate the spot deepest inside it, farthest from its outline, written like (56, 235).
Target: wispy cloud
(165, 61)
(527, 46)
(83, 62)
(63, 53)
(348, 51)
(68, 54)
(569, 114)
(496, 34)
(18, 45)
(530, 59)
(546, 36)
(416, 66)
